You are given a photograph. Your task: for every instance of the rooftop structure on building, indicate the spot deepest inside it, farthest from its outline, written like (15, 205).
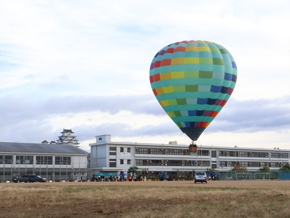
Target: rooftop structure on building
(67, 137)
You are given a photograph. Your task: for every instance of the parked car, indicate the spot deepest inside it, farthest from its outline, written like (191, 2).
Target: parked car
(20, 178)
(200, 177)
(35, 178)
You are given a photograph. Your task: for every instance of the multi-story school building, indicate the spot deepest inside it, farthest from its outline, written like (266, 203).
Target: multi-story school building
(153, 159)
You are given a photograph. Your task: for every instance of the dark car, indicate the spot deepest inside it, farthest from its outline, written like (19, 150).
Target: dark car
(20, 178)
(35, 178)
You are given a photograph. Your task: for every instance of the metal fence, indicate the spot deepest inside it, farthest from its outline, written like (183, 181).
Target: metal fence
(55, 173)
(255, 175)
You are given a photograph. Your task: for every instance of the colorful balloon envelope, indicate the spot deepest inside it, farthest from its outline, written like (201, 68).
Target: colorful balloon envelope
(192, 81)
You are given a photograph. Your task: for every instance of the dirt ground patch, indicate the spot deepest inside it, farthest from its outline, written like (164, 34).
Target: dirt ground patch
(147, 199)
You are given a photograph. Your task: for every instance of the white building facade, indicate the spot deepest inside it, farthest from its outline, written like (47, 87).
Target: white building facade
(153, 159)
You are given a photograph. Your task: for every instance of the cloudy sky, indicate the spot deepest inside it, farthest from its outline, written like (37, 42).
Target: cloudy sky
(84, 65)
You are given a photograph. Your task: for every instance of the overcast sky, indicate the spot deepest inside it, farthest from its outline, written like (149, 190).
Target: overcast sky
(84, 65)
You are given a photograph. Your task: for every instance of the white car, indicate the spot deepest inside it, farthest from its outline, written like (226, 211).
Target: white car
(200, 177)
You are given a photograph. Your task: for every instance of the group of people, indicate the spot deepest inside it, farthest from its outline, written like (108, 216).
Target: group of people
(212, 176)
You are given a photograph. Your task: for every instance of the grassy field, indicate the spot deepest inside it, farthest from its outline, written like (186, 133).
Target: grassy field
(150, 199)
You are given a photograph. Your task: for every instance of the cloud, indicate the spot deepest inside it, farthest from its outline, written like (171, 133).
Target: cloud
(237, 116)
(58, 63)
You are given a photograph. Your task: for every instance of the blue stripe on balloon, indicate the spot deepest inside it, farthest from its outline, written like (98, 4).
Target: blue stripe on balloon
(216, 89)
(202, 101)
(228, 76)
(234, 65)
(192, 113)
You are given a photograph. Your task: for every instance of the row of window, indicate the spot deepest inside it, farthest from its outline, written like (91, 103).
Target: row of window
(251, 154)
(6, 159)
(200, 152)
(113, 150)
(122, 161)
(172, 163)
(250, 164)
(170, 151)
(45, 160)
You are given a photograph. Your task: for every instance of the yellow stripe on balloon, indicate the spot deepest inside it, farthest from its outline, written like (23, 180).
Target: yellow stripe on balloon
(192, 60)
(191, 48)
(165, 76)
(177, 75)
(164, 103)
(175, 61)
(168, 89)
(204, 48)
(160, 91)
(171, 114)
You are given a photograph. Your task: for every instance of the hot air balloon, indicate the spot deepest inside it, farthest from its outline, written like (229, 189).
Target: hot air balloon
(192, 81)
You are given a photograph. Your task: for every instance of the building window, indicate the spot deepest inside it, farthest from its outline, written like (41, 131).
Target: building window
(44, 160)
(100, 138)
(112, 162)
(155, 151)
(6, 159)
(222, 163)
(112, 150)
(24, 159)
(264, 154)
(213, 153)
(174, 163)
(156, 163)
(121, 161)
(253, 164)
(141, 162)
(243, 154)
(203, 152)
(121, 149)
(142, 151)
(253, 154)
(129, 162)
(284, 155)
(62, 160)
(129, 150)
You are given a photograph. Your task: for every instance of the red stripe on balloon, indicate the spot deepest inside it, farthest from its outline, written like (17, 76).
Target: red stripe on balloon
(157, 64)
(156, 77)
(202, 124)
(165, 62)
(154, 91)
(169, 50)
(230, 91)
(179, 49)
(223, 103)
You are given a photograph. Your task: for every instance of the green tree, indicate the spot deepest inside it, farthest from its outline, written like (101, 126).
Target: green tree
(133, 170)
(239, 168)
(265, 169)
(286, 167)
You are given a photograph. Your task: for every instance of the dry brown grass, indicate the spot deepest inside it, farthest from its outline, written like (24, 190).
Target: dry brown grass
(155, 199)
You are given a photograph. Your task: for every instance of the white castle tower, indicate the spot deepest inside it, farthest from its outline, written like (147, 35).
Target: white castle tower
(67, 137)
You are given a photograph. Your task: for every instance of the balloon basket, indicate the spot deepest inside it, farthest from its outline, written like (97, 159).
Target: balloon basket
(192, 148)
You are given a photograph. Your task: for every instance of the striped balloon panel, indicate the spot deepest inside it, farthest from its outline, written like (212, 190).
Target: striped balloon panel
(192, 81)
